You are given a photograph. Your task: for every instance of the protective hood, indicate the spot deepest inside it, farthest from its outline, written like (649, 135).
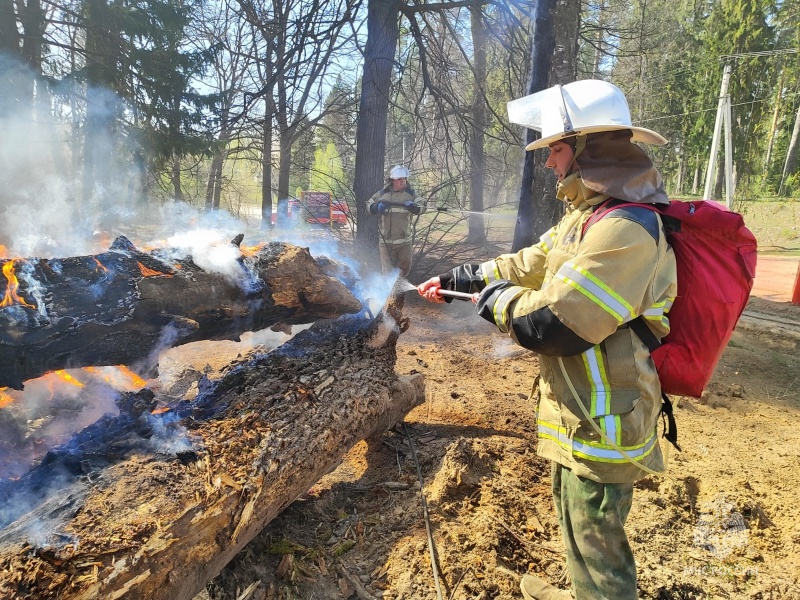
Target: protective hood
(611, 164)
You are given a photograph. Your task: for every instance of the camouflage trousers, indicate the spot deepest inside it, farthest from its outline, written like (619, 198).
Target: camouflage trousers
(592, 518)
(396, 256)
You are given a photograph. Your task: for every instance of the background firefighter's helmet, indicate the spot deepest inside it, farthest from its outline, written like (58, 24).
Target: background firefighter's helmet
(398, 172)
(578, 108)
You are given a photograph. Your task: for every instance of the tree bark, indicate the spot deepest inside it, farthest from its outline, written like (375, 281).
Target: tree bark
(146, 521)
(103, 47)
(790, 165)
(383, 31)
(120, 306)
(555, 48)
(477, 158)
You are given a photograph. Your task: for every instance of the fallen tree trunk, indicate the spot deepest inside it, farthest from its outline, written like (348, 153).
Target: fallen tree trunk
(182, 495)
(120, 306)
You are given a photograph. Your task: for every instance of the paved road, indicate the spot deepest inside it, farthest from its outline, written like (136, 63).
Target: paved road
(775, 277)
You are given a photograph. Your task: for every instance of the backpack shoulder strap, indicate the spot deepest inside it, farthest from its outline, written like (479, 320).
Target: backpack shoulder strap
(633, 211)
(638, 324)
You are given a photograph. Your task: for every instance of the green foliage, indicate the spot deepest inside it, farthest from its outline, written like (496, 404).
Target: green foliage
(672, 75)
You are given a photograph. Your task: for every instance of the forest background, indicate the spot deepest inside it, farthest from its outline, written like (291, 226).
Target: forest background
(113, 109)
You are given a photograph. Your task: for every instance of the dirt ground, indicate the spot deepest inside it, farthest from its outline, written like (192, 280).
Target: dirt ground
(724, 521)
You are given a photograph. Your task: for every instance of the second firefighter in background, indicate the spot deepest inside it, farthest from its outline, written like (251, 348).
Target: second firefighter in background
(396, 206)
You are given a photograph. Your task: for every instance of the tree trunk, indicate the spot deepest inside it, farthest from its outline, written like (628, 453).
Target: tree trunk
(790, 166)
(477, 158)
(120, 306)
(101, 104)
(284, 163)
(774, 126)
(21, 40)
(555, 48)
(177, 189)
(266, 168)
(214, 187)
(154, 506)
(9, 34)
(383, 31)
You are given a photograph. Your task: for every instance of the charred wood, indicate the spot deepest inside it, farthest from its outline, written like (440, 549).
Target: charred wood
(184, 491)
(120, 306)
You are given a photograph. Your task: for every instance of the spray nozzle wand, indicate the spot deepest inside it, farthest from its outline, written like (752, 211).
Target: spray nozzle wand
(459, 295)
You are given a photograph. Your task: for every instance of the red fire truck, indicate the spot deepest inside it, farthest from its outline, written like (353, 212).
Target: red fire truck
(318, 208)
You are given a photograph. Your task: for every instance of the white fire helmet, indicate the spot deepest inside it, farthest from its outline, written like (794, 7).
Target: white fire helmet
(398, 172)
(577, 108)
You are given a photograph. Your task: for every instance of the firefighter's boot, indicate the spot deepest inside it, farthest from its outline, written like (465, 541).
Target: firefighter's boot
(534, 588)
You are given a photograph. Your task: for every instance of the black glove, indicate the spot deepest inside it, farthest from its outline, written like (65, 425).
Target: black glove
(412, 207)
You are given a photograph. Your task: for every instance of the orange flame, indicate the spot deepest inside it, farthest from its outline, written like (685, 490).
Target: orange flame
(102, 268)
(11, 296)
(5, 399)
(251, 250)
(98, 373)
(133, 377)
(64, 376)
(150, 272)
(3, 251)
(160, 411)
(119, 376)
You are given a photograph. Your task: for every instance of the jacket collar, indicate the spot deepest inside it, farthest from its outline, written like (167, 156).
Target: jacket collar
(573, 190)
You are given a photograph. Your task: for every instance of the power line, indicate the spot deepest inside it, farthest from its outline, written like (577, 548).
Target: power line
(761, 53)
(694, 112)
(691, 66)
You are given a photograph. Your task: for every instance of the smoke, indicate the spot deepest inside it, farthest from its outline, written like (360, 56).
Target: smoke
(39, 186)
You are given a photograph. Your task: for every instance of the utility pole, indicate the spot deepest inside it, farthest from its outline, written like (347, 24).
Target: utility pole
(723, 115)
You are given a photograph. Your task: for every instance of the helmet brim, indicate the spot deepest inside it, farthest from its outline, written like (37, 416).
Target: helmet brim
(640, 134)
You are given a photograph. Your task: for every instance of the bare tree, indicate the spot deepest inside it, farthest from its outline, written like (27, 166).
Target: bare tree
(477, 159)
(300, 41)
(379, 56)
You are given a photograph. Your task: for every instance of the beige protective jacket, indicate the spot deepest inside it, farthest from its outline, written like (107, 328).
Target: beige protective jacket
(397, 225)
(593, 285)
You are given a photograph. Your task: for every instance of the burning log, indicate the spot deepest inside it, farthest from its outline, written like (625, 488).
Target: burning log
(119, 306)
(154, 506)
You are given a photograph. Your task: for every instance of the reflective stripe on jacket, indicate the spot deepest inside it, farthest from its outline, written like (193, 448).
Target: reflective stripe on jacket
(590, 288)
(396, 226)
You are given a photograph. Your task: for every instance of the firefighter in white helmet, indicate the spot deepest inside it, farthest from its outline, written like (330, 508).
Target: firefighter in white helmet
(396, 206)
(571, 298)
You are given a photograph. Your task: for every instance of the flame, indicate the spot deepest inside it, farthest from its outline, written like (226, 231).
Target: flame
(98, 373)
(133, 377)
(160, 411)
(102, 268)
(11, 297)
(251, 250)
(118, 376)
(3, 251)
(64, 376)
(150, 272)
(5, 399)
